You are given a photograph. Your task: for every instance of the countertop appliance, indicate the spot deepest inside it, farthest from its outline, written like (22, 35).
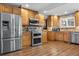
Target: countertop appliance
(75, 37)
(10, 32)
(56, 29)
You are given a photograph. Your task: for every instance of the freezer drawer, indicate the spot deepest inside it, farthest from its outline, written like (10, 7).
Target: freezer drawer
(17, 43)
(6, 46)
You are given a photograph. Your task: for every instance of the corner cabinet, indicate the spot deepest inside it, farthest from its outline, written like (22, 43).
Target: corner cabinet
(67, 22)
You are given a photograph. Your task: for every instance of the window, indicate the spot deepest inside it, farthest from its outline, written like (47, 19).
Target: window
(67, 22)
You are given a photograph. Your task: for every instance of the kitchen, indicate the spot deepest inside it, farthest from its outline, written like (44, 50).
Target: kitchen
(56, 25)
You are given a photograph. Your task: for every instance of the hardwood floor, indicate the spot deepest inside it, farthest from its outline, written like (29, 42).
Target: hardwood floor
(53, 48)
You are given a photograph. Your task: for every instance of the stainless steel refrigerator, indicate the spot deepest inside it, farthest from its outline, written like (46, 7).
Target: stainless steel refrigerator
(10, 32)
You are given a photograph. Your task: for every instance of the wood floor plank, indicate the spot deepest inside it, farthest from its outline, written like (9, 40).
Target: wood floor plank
(52, 48)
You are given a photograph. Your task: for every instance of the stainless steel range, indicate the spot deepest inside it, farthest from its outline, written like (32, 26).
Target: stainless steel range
(36, 35)
(36, 31)
(10, 32)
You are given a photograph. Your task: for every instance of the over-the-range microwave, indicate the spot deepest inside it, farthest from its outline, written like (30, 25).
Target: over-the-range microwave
(33, 21)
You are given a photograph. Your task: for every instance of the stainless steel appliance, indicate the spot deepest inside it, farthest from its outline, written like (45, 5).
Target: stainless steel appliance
(36, 35)
(36, 31)
(33, 21)
(75, 37)
(10, 32)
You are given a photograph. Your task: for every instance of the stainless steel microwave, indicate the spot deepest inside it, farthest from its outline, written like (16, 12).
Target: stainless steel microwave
(33, 21)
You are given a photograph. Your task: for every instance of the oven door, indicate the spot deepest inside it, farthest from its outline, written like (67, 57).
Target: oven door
(36, 38)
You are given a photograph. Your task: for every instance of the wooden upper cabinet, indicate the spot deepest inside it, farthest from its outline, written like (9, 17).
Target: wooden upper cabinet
(41, 19)
(1, 8)
(56, 21)
(10, 9)
(16, 10)
(7, 9)
(26, 14)
(32, 13)
(49, 21)
(77, 18)
(53, 21)
(25, 19)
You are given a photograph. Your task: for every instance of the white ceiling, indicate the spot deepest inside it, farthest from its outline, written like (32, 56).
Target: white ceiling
(51, 8)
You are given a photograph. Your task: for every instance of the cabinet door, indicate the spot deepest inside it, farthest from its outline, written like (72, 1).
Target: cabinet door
(44, 36)
(51, 35)
(77, 18)
(41, 20)
(66, 36)
(25, 19)
(32, 13)
(16, 11)
(26, 39)
(49, 21)
(55, 21)
(1, 8)
(7, 9)
(59, 36)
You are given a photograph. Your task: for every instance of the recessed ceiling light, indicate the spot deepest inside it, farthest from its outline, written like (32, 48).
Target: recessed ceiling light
(27, 5)
(45, 11)
(65, 12)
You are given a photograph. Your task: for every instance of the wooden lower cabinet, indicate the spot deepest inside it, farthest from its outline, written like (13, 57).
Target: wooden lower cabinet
(44, 37)
(26, 39)
(59, 36)
(50, 35)
(66, 36)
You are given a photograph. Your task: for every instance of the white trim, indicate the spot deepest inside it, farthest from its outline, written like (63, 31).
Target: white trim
(66, 20)
(11, 33)
(1, 34)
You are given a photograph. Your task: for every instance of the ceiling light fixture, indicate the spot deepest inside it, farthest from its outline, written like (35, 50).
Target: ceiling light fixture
(27, 5)
(65, 12)
(45, 11)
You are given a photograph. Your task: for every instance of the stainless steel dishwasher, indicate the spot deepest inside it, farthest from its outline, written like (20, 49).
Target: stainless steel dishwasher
(75, 37)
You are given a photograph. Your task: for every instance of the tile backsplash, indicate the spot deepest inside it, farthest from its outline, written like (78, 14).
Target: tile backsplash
(65, 29)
